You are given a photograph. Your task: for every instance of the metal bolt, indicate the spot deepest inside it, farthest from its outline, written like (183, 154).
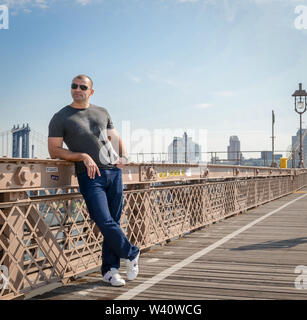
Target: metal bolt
(25, 175)
(151, 172)
(206, 172)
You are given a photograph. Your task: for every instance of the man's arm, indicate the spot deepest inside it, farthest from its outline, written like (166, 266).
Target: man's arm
(118, 146)
(56, 150)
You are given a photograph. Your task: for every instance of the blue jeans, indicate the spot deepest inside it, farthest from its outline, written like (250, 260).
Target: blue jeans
(104, 200)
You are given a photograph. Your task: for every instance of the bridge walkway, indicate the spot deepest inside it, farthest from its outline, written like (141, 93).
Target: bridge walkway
(248, 256)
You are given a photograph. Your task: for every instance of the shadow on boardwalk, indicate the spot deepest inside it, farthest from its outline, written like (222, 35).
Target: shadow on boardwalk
(289, 243)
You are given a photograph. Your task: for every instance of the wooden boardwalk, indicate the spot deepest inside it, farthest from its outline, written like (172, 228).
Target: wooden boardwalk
(221, 261)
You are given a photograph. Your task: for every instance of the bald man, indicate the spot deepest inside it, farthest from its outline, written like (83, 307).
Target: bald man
(89, 134)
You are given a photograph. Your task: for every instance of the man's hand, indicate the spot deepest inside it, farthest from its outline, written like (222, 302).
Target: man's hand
(55, 147)
(91, 166)
(121, 162)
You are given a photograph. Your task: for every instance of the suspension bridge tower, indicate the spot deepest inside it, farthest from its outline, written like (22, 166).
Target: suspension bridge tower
(23, 135)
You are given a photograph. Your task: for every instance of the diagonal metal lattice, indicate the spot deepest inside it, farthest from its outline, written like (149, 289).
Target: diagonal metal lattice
(50, 237)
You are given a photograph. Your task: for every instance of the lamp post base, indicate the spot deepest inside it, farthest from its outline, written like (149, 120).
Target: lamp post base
(274, 165)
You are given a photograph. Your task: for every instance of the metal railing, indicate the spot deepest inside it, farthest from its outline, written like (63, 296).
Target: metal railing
(251, 158)
(46, 234)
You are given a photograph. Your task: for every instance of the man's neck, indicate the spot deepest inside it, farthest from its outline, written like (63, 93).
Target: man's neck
(80, 105)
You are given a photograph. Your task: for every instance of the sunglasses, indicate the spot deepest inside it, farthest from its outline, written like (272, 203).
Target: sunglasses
(82, 86)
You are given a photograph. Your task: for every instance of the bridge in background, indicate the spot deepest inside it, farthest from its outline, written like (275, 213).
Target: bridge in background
(47, 238)
(23, 141)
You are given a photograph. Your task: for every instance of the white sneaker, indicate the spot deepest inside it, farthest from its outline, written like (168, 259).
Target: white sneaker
(132, 268)
(113, 277)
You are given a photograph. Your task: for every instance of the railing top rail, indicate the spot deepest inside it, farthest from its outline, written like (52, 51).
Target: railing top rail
(130, 164)
(34, 160)
(32, 174)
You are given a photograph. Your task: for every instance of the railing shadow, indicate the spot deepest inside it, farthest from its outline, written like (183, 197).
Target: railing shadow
(84, 289)
(289, 243)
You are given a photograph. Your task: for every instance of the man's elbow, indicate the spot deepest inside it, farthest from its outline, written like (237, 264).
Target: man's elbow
(112, 134)
(52, 154)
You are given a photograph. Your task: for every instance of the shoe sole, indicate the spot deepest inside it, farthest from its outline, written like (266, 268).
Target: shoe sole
(132, 278)
(113, 285)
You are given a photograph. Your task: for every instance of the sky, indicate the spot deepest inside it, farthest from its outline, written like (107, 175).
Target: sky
(219, 66)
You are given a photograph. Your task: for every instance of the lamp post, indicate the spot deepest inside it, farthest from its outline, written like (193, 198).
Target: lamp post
(273, 164)
(300, 107)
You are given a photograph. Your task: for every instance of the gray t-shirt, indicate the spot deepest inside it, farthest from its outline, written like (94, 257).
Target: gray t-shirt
(85, 130)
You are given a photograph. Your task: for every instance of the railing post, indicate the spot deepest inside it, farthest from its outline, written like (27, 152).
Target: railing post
(294, 182)
(256, 192)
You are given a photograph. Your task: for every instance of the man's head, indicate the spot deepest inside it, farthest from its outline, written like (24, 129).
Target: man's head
(81, 88)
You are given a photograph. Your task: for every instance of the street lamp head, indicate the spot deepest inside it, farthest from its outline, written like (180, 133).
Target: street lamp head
(300, 100)
(300, 105)
(300, 92)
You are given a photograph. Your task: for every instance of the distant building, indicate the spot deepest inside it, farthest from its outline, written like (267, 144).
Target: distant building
(184, 150)
(253, 162)
(234, 150)
(265, 160)
(266, 157)
(296, 146)
(215, 159)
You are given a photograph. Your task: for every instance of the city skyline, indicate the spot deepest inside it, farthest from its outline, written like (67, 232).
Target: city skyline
(184, 149)
(218, 66)
(22, 139)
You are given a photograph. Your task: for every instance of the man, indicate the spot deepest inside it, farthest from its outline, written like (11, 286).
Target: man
(87, 131)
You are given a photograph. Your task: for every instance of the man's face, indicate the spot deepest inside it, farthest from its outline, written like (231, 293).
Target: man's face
(80, 95)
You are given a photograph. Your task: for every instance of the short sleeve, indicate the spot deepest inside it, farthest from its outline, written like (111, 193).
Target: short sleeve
(110, 124)
(56, 127)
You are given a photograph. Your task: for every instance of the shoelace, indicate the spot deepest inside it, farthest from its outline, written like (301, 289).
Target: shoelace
(115, 274)
(131, 266)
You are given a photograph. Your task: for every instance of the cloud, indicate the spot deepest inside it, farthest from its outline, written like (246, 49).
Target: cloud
(155, 76)
(224, 93)
(84, 2)
(42, 4)
(202, 106)
(182, 1)
(134, 78)
(26, 5)
(15, 3)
